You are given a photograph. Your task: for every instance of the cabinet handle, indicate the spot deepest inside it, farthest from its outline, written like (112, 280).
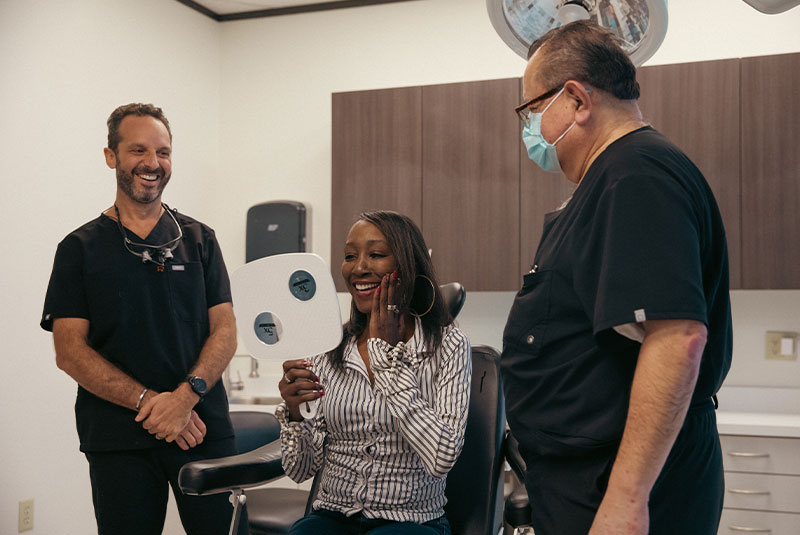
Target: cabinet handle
(746, 454)
(750, 530)
(748, 491)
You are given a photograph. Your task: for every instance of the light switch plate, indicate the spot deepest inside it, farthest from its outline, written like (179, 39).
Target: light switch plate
(781, 345)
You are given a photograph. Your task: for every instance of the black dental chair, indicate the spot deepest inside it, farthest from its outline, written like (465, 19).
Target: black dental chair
(474, 486)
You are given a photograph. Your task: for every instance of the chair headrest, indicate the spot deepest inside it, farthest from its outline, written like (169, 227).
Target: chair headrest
(454, 296)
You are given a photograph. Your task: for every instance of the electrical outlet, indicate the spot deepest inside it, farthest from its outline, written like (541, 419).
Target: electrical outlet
(781, 345)
(25, 515)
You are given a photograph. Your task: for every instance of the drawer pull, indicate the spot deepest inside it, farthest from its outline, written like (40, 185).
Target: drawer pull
(748, 491)
(750, 530)
(746, 454)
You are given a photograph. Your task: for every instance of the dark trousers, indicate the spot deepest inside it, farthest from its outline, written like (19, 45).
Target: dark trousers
(333, 523)
(130, 491)
(565, 492)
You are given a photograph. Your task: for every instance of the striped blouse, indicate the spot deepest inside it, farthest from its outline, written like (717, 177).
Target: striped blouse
(387, 449)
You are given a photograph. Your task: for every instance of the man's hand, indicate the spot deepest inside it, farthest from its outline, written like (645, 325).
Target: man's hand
(192, 434)
(167, 414)
(621, 515)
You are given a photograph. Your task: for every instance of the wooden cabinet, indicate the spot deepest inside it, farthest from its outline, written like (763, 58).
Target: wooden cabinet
(762, 485)
(771, 171)
(450, 156)
(739, 121)
(470, 182)
(696, 105)
(377, 160)
(446, 156)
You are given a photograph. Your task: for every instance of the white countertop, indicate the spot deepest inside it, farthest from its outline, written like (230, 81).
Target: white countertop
(759, 411)
(758, 424)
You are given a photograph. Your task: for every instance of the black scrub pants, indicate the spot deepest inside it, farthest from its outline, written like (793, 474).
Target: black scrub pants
(686, 499)
(130, 491)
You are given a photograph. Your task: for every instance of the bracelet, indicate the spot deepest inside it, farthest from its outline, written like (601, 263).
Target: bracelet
(141, 397)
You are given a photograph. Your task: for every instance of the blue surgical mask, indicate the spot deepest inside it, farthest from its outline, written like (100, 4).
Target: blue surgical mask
(539, 150)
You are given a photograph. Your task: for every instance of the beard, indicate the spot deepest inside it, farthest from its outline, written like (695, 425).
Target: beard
(125, 182)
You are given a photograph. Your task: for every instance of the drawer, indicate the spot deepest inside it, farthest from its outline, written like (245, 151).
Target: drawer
(766, 455)
(736, 522)
(763, 492)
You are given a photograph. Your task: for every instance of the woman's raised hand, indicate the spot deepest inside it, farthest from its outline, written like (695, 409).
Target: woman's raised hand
(386, 320)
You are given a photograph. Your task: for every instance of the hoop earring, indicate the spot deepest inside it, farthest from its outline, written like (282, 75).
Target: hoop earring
(433, 297)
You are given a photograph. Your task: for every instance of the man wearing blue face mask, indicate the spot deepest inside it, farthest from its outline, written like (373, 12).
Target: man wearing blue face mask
(539, 149)
(621, 334)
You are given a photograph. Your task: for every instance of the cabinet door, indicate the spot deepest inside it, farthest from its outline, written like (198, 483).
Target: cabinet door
(470, 208)
(696, 105)
(771, 171)
(739, 522)
(762, 492)
(764, 455)
(377, 160)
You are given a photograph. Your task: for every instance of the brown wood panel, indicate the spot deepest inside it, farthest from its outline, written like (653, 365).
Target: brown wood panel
(771, 171)
(377, 159)
(470, 207)
(696, 105)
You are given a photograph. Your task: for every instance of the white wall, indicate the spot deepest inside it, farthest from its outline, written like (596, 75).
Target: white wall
(249, 103)
(65, 66)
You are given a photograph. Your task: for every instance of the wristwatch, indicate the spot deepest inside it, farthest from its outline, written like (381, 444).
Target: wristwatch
(198, 385)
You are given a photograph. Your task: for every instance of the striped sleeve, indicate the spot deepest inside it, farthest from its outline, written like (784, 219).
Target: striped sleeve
(435, 427)
(301, 445)
(301, 449)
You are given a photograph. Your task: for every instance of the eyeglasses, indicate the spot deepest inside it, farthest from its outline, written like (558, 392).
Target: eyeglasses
(164, 251)
(524, 112)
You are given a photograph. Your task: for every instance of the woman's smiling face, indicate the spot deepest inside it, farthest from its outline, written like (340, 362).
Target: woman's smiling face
(367, 258)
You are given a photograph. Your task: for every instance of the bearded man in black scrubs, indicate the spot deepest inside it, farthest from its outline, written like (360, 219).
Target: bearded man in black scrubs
(139, 304)
(621, 334)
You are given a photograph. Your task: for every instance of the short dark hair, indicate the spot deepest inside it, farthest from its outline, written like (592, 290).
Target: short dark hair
(135, 108)
(588, 53)
(407, 244)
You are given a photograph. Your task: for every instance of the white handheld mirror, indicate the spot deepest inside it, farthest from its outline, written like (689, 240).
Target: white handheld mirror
(286, 308)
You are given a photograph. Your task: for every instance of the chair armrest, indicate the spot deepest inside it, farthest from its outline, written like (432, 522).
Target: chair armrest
(517, 510)
(223, 474)
(513, 457)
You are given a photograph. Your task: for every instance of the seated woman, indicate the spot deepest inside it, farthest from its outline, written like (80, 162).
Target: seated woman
(396, 393)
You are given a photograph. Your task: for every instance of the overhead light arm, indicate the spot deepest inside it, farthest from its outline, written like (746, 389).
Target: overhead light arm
(772, 7)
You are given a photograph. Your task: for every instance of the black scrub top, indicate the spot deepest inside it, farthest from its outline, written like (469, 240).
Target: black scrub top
(149, 322)
(641, 239)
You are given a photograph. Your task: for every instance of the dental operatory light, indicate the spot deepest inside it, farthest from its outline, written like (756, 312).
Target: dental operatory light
(641, 24)
(162, 252)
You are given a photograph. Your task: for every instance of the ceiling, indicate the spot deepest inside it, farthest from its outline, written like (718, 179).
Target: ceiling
(224, 10)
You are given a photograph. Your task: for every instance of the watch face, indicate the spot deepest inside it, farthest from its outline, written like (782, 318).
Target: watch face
(198, 385)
